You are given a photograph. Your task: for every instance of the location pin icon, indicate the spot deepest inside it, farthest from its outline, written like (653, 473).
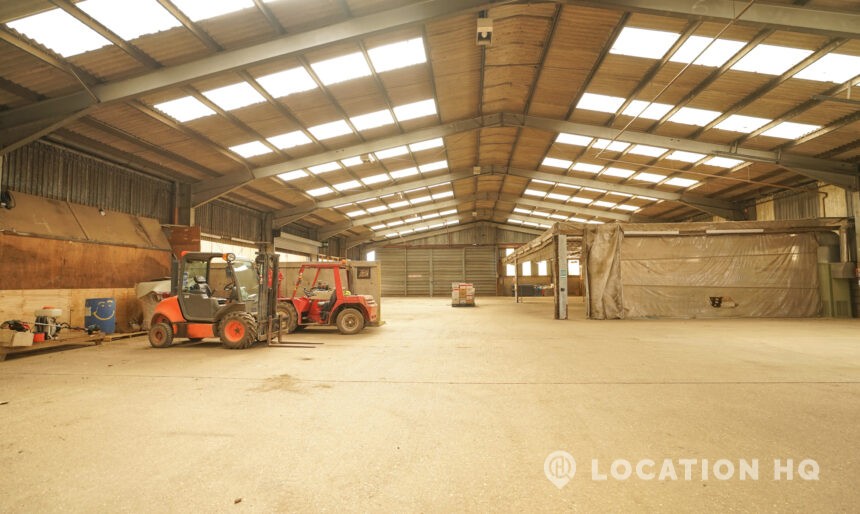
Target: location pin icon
(559, 467)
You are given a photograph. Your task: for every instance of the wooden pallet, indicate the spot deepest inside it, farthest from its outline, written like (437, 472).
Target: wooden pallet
(114, 337)
(83, 340)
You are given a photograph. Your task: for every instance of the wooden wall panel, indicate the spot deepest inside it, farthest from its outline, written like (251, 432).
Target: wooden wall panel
(38, 263)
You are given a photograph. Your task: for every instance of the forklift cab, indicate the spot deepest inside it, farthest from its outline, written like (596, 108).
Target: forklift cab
(209, 282)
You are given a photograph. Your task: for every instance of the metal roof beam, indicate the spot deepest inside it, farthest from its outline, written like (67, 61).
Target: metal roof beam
(445, 230)
(835, 172)
(709, 205)
(287, 216)
(238, 59)
(826, 22)
(209, 190)
(390, 215)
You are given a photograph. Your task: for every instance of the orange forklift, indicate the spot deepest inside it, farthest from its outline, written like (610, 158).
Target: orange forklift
(220, 295)
(319, 298)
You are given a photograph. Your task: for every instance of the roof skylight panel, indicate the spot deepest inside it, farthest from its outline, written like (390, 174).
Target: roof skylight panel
(601, 103)
(319, 169)
(372, 120)
(130, 19)
(448, 212)
(618, 172)
(629, 208)
(573, 139)
(679, 155)
(744, 124)
(287, 82)
(378, 227)
(345, 186)
(604, 203)
(397, 205)
(534, 192)
(443, 195)
(556, 163)
(234, 96)
(376, 179)
(693, 116)
(580, 199)
(647, 110)
(636, 42)
(558, 216)
(587, 168)
(558, 196)
(60, 31)
(251, 149)
(350, 162)
(614, 146)
(433, 166)
(342, 68)
(723, 162)
(716, 54)
(320, 191)
(185, 109)
(771, 59)
(415, 110)
(681, 182)
(831, 68)
(391, 152)
(427, 145)
(356, 213)
(292, 175)
(290, 139)
(648, 151)
(649, 177)
(790, 130)
(397, 55)
(330, 130)
(198, 10)
(407, 172)
(421, 199)
(378, 208)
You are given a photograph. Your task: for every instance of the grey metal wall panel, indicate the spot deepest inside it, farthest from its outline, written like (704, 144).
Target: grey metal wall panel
(392, 263)
(58, 173)
(447, 268)
(481, 269)
(226, 219)
(794, 205)
(418, 272)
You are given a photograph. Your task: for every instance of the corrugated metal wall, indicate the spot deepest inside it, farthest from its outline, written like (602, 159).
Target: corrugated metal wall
(796, 205)
(221, 218)
(430, 271)
(58, 173)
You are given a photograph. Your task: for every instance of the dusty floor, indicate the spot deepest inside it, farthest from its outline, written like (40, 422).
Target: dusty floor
(441, 409)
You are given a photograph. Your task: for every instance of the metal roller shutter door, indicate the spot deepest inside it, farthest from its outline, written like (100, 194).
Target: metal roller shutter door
(418, 272)
(392, 264)
(447, 268)
(481, 269)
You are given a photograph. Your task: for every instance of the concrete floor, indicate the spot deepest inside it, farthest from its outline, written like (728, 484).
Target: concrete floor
(440, 409)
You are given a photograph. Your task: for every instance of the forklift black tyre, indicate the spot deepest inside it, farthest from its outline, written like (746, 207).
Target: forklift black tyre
(288, 317)
(238, 330)
(350, 321)
(195, 339)
(161, 335)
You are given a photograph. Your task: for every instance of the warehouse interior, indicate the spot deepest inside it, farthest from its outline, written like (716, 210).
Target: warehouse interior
(484, 232)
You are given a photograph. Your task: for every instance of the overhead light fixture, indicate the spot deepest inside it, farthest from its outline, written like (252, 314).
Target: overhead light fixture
(484, 35)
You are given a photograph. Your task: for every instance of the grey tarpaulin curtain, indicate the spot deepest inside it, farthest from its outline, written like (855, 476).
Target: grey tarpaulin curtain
(747, 275)
(603, 244)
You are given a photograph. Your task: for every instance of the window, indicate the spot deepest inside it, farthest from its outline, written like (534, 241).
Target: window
(573, 267)
(527, 269)
(371, 256)
(510, 269)
(543, 269)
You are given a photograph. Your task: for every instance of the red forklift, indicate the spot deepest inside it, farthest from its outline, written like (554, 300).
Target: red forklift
(220, 295)
(319, 298)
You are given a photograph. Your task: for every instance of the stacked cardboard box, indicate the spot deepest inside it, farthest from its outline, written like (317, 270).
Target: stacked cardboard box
(462, 294)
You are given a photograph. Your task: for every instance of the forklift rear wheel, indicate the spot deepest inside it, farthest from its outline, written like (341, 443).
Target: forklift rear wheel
(161, 335)
(288, 318)
(350, 321)
(238, 330)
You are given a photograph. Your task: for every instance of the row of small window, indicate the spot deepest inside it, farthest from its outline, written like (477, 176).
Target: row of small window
(526, 268)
